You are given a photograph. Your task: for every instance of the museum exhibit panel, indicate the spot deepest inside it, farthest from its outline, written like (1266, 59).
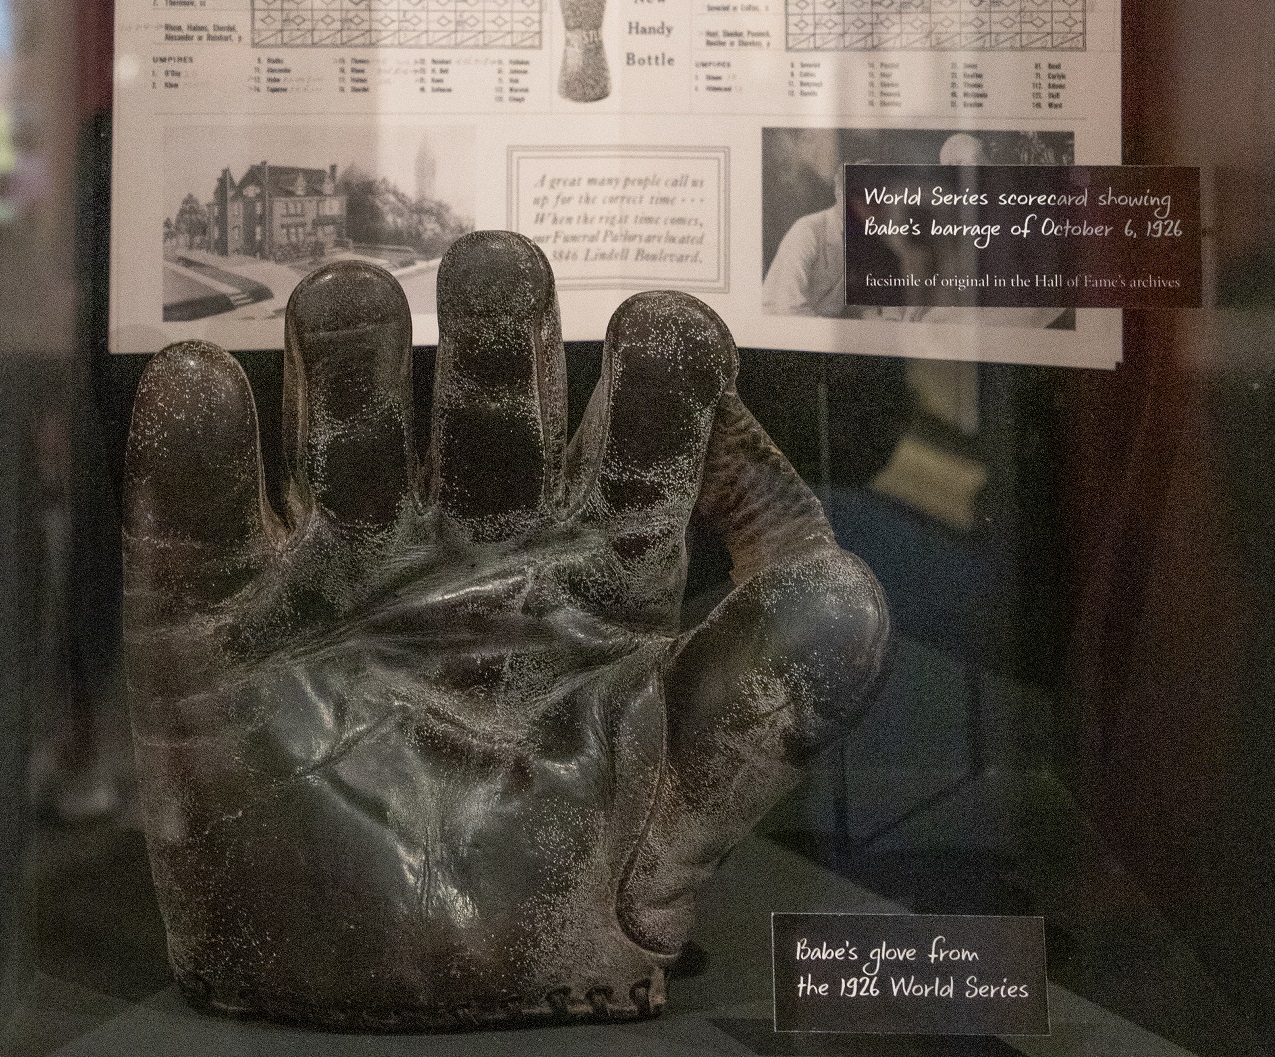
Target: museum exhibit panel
(412, 681)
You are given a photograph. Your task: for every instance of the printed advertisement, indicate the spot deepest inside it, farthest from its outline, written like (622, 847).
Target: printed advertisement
(644, 144)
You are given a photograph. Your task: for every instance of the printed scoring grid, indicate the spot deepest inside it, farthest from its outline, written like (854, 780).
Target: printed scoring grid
(396, 23)
(936, 25)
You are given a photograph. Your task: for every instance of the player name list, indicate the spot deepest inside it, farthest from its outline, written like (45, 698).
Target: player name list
(501, 55)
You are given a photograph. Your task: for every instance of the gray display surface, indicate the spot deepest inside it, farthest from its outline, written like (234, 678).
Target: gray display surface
(726, 1011)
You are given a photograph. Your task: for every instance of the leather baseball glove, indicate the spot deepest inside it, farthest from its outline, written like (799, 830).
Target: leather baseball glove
(429, 748)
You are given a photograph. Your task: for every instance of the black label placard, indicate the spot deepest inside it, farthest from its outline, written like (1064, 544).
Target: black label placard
(910, 973)
(1078, 236)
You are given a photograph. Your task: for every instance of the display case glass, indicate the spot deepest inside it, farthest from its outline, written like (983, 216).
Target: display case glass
(1071, 517)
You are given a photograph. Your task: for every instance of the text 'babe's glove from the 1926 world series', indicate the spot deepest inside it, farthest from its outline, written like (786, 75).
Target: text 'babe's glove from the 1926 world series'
(429, 749)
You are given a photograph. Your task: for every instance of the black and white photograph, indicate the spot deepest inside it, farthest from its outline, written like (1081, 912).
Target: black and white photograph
(248, 214)
(803, 214)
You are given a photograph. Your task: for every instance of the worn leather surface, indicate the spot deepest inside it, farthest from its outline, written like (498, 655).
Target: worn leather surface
(427, 749)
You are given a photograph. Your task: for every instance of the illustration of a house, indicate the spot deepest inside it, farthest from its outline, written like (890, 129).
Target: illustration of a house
(277, 212)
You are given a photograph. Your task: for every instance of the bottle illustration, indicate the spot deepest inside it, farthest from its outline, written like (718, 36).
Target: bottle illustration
(584, 77)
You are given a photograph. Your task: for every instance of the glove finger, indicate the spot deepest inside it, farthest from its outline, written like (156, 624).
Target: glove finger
(634, 465)
(348, 396)
(785, 665)
(753, 498)
(196, 523)
(499, 415)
